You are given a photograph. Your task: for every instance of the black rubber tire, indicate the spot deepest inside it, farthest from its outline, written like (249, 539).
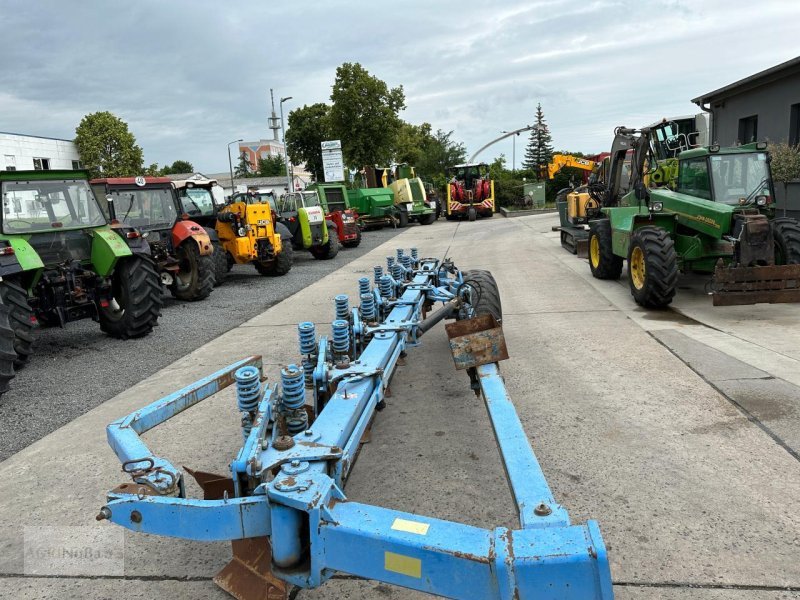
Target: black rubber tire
(786, 233)
(472, 214)
(7, 354)
(402, 218)
(328, 250)
(14, 296)
(661, 267)
(199, 271)
(282, 263)
(353, 243)
(427, 219)
(489, 295)
(137, 290)
(609, 265)
(221, 267)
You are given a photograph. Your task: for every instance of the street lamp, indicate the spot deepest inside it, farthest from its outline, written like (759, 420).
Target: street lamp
(289, 186)
(230, 163)
(513, 151)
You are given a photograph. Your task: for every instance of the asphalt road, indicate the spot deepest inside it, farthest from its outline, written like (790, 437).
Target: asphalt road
(77, 368)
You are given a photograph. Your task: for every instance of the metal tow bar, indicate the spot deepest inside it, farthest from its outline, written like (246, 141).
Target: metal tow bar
(283, 506)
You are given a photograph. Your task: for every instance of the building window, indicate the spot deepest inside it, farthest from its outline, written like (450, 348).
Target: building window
(76, 165)
(748, 129)
(794, 125)
(41, 164)
(11, 162)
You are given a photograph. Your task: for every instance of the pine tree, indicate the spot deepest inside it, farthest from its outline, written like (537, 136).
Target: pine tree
(539, 150)
(243, 168)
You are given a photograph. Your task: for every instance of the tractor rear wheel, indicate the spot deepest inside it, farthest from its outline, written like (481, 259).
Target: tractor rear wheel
(136, 303)
(786, 233)
(15, 298)
(195, 280)
(485, 296)
(221, 267)
(472, 214)
(402, 218)
(652, 267)
(328, 250)
(602, 260)
(427, 219)
(7, 354)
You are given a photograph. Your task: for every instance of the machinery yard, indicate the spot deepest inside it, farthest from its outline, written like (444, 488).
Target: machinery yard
(676, 430)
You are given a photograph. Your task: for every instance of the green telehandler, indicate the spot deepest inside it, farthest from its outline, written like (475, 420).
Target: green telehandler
(61, 261)
(712, 212)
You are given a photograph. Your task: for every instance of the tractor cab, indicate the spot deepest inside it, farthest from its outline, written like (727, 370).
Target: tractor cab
(146, 203)
(304, 217)
(735, 176)
(197, 199)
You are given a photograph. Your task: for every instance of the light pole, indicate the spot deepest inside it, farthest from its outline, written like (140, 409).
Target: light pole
(513, 152)
(230, 162)
(289, 186)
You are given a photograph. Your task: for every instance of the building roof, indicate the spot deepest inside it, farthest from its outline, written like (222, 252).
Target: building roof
(762, 77)
(41, 137)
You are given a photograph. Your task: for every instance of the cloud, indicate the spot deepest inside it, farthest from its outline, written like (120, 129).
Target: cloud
(188, 77)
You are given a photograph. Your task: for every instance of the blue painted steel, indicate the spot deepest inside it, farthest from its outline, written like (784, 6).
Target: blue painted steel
(248, 388)
(315, 531)
(400, 253)
(378, 273)
(342, 304)
(389, 262)
(307, 334)
(414, 254)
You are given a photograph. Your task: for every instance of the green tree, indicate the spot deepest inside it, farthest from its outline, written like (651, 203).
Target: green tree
(785, 166)
(439, 153)
(154, 170)
(106, 147)
(308, 127)
(364, 115)
(179, 166)
(243, 166)
(272, 166)
(539, 150)
(412, 142)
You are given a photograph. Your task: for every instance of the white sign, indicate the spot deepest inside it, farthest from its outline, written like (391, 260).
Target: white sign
(332, 162)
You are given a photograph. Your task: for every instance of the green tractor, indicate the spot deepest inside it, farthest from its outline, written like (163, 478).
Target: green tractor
(705, 209)
(303, 215)
(61, 261)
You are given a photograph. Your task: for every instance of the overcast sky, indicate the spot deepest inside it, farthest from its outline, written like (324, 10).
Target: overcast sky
(189, 77)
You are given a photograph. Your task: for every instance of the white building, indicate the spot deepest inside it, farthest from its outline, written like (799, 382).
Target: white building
(32, 152)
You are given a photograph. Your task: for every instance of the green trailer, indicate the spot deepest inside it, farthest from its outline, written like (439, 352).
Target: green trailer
(375, 206)
(410, 202)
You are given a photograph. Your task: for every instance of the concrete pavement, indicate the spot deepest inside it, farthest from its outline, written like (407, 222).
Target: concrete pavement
(694, 498)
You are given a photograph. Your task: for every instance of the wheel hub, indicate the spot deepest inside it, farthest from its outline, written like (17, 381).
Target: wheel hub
(637, 268)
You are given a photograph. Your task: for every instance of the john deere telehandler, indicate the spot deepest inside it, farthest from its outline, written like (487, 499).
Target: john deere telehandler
(61, 261)
(181, 249)
(719, 218)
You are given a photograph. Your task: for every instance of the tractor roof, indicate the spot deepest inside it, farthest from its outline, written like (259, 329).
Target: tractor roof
(707, 150)
(132, 180)
(42, 175)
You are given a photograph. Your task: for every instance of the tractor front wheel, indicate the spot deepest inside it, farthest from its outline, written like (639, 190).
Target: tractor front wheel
(652, 267)
(221, 267)
(282, 263)
(196, 277)
(427, 219)
(328, 250)
(136, 303)
(786, 233)
(602, 260)
(15, 298)
(402, 218)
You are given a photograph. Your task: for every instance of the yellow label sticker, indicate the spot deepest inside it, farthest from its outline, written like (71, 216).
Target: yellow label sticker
(410, 526)
(405, 565)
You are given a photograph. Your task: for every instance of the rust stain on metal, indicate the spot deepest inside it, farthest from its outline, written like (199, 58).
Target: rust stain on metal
(248, 576)
(476, 341)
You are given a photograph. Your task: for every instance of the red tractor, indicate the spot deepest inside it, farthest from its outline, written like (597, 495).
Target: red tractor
(333, 198)
(470, 192)
(181, 249)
